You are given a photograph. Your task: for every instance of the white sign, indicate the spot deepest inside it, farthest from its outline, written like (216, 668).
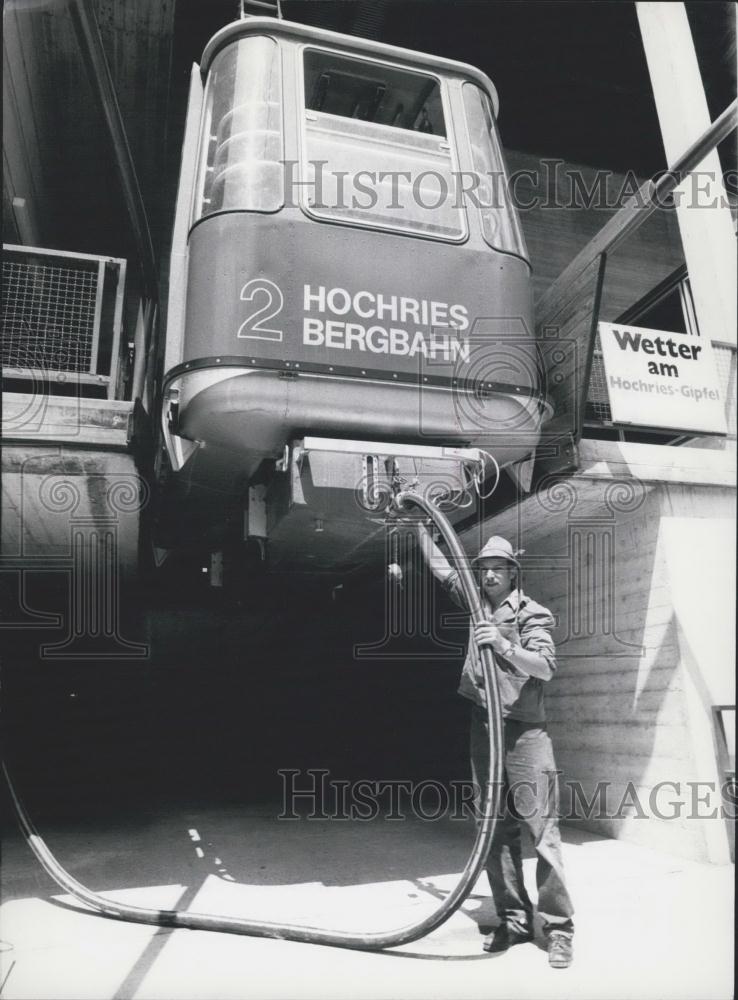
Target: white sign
(660, 379)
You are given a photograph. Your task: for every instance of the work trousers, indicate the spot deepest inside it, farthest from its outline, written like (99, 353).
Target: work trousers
(529, 798)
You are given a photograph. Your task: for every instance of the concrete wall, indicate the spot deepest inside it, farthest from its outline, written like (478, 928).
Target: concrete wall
(635, 557)
(71, 506)
(645, 717)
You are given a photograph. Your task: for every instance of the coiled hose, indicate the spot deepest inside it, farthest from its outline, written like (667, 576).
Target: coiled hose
(373, 941)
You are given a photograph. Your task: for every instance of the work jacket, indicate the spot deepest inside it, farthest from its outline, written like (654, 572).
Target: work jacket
(525, 623)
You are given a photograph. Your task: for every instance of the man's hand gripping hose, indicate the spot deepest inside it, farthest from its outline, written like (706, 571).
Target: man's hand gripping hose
(372, 941)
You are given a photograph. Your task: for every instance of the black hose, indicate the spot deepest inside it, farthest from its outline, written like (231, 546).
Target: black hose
(373, 941)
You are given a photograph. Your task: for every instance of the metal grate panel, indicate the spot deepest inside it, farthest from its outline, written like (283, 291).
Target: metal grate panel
(49, 315)
(598, 396)
(725, 363)
(62, 315)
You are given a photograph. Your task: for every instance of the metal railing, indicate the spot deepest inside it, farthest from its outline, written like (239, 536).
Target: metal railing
(61, 317)
(725, 750)
(567, 313)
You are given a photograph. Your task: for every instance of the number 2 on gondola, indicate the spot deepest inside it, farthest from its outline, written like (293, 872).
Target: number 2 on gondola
(269, 300)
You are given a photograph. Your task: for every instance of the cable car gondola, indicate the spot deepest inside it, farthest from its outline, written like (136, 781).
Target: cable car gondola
(347, 271)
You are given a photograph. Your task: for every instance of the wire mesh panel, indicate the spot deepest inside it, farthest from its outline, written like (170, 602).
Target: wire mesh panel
(598, 397)
(48, 316)
(725, 364)
(61, 314)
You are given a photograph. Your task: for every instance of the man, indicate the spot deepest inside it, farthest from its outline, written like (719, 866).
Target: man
(519, 631)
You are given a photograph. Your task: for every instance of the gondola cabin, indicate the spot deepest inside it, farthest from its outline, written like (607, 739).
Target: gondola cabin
(350, 294)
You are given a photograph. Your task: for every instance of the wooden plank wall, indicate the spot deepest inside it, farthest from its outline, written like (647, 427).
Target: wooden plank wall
(563, 206)
(557, 227)
(564, 333)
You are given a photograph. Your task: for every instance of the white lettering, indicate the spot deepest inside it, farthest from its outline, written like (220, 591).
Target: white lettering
(311, 297)
(368, 305)
(338, 293)
(460, 317)
(409, 310)
(359, 312)
(380, 345)
(439, 314)
(355, 334)
(388, 306)
(379, 340)
(399, 341)
(418, 346)
(333, 332)
(439, 346)
(312, 331)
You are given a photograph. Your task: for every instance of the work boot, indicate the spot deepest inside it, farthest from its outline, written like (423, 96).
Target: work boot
(560, 950)
(504, 937)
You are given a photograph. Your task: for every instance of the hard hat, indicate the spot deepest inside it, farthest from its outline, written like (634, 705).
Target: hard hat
(497, 547)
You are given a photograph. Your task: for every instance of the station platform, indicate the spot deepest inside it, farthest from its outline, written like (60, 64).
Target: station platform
(649, 925)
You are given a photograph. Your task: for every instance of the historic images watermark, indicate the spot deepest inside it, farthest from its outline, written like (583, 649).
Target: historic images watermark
(91, 512)
(552, 184)
(312, 794)
(500, 384)
(591, 523)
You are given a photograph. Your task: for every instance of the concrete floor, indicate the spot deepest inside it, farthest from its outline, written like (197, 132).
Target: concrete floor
(649, 925)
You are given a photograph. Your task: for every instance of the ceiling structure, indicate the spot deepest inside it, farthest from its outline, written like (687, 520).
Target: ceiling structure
(48, 96)
(571, 76)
